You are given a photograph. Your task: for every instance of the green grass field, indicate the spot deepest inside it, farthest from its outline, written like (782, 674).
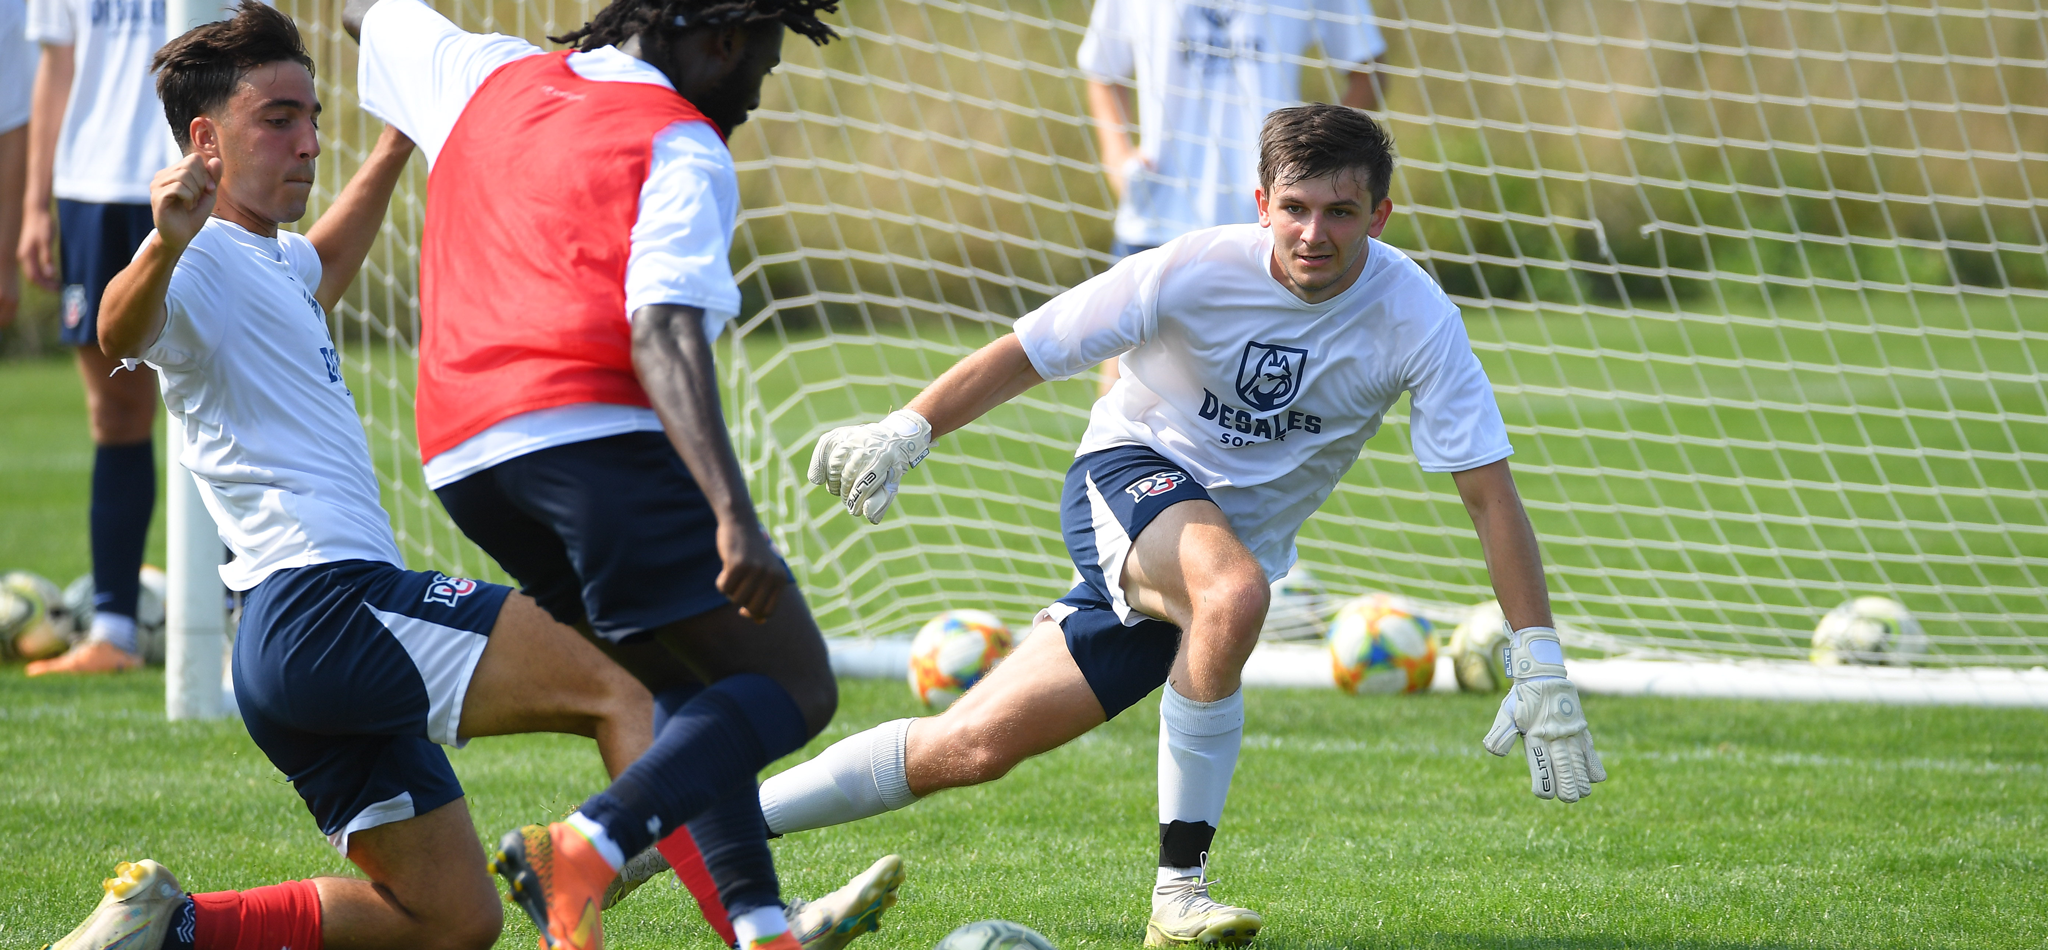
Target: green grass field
(1354, 823)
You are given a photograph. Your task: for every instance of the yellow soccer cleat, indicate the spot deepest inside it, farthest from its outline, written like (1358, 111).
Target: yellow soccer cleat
(559, 879)
(1183, 914)
(835, 920)
(141, 900)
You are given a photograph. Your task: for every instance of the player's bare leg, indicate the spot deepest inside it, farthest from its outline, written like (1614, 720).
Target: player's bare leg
(427, 887)
(537, 675)
(1034, 702)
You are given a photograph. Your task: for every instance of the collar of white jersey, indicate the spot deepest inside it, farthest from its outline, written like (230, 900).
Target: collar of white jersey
(270, 246)
(608, 64)
(1375, 249)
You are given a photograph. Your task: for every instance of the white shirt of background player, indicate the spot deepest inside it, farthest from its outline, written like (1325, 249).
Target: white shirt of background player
(417, 71)
(1206, 72)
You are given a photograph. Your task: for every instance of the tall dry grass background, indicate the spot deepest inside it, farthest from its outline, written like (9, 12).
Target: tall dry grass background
(1761, 286)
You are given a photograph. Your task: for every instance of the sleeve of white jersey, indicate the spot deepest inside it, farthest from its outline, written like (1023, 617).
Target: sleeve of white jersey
(1455, 423)
(417, 69)
(1107, 315)
(682, 241)
(191, 329)
(1348, 36)
(49, 22)
(1106, 54)
(19, 56)
(303, 258)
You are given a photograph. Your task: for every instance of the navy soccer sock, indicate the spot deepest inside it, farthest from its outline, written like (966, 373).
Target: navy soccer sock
(709, 749)
(123, 498)
(731, 836)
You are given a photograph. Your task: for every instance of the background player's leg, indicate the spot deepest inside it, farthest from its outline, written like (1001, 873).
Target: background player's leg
(537, 675)
(1036, 701)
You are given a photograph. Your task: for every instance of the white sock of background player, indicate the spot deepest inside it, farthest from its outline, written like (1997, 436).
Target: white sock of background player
(1198, 745)
(857, 777)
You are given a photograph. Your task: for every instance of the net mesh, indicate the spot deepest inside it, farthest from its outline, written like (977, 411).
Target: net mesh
(1760, 287)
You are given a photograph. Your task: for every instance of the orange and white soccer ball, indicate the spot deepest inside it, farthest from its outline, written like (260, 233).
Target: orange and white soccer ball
(952, 652)
(1380, 643)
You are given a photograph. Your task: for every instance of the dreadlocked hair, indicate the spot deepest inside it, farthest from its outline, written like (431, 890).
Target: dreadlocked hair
(624, 19)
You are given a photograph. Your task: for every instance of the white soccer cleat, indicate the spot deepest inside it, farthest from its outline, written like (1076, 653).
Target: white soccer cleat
(1183, 915)
(142, 898)
(834, 920)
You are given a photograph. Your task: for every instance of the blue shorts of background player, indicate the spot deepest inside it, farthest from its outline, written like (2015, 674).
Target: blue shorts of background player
(1109, 498)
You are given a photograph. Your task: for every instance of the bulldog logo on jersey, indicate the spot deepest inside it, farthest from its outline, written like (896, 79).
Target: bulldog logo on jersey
(448, 590)
(1269, 377)
(1157, 483)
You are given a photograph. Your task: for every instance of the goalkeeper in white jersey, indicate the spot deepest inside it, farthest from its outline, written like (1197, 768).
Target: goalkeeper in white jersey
(1256, 361)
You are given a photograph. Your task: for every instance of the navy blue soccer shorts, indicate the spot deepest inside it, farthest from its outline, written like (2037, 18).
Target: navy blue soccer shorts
(1110, 497)
(94, 241)
(349, 675)
(611, 530)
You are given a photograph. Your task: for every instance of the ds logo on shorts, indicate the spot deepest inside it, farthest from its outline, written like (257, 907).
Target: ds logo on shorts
(447, 590)
(74, 305)
(1157, 483)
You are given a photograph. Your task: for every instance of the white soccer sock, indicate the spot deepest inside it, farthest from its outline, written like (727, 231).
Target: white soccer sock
(857, 777)
(761, 923)
(595, 834)
(1198, 745)
(114, 629)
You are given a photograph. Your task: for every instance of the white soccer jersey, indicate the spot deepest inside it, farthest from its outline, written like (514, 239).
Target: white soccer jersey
(1207, 72)
(1263, 398)
(417, 72)
(18, 58)
(271, 431)
(114, 137)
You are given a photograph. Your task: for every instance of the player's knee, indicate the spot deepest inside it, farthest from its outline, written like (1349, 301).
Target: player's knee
(817, 696)
(468, 925)
(1234, 599)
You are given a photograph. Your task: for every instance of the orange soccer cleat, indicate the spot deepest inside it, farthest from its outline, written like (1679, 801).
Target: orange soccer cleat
(559, 879)
(92, 656)
(785, 940)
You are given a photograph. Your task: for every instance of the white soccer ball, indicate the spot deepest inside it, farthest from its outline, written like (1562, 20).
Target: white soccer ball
(1868, 631)
(1475, 649)
(1297, 608)
(30, 633)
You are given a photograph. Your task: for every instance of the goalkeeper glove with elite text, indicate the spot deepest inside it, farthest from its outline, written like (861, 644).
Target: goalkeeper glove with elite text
(1543, 708)
(863, 464)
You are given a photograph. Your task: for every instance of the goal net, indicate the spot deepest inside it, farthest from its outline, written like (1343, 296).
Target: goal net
(1762, 288)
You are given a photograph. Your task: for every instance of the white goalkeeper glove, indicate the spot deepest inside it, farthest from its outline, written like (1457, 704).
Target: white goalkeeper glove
(863, 464)
(1543, 708)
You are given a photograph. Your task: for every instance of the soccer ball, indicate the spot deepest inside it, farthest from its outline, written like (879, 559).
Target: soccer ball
(1296, 610)
(953, 652)
(1475, 649)
(1380, 643)
(994, 935)
(25, 621)
(1868, 630)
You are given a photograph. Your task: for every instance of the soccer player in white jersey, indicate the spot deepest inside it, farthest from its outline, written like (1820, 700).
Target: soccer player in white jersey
(1257, 359)
(349, 670)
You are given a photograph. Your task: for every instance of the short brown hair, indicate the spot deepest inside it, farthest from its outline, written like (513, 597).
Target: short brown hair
(197, 72)
(1319, 140)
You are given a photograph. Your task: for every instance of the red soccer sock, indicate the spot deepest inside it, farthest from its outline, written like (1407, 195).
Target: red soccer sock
(681, 851)
(279, 917)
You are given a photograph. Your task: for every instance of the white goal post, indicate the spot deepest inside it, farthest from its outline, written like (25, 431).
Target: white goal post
(1762, 287)
(195, 615)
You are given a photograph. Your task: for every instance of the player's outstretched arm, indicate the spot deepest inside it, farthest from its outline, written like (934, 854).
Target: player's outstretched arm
(343, 235)
(1542, 706)
(863, 464)
(181, 198)
(673, 358)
